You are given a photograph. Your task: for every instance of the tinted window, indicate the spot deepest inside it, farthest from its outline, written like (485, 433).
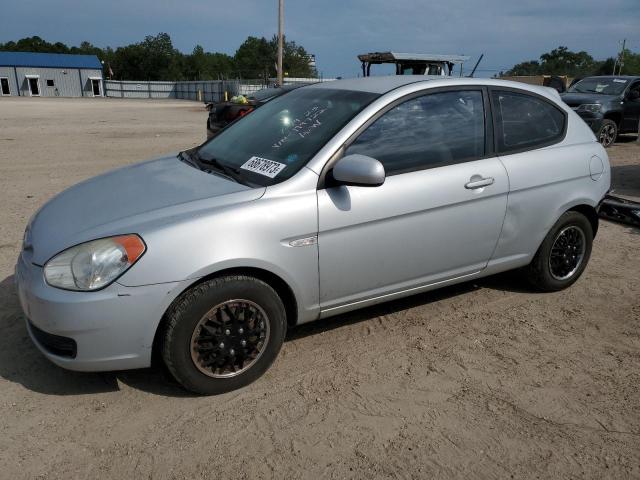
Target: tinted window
(525, 121)
(426, 132)
(290, 129)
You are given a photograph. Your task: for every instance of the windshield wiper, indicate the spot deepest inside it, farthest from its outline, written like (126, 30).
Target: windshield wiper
(186, 158)
(229, 171)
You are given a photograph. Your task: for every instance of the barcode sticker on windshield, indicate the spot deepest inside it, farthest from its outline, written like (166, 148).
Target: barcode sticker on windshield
(619, 80)
(265, 167)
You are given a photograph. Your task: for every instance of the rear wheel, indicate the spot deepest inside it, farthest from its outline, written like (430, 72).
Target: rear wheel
(607, 133)
(223, 334)
(563, 255)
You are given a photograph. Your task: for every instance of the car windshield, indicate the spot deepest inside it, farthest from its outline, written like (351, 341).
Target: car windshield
(604, 86)
(278, 139)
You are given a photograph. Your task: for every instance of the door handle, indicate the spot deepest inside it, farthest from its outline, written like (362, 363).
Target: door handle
(478, 182)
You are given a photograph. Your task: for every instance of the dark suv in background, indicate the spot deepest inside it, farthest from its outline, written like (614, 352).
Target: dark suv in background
(610, 105)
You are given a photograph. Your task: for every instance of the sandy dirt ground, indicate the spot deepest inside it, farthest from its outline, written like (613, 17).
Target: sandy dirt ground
(483, 380)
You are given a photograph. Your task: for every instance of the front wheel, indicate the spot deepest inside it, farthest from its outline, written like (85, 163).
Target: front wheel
(223, 334)
(608, 133)
(563, 255)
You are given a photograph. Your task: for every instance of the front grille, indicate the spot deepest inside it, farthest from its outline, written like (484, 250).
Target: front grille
(55, 344)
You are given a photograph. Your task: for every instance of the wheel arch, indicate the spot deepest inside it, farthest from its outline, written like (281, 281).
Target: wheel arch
(282, 288)
(614, 116)
(589, 212)
(582, 207)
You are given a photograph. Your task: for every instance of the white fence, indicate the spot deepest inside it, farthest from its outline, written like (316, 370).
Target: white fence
(204, 91)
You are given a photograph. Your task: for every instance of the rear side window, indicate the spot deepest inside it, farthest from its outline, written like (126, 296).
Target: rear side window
(525, 122)
(426, 132)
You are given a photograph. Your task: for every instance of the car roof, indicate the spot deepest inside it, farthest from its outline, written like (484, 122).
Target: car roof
(381, 84)
(624, 77)
(270, 92)
(385, 84)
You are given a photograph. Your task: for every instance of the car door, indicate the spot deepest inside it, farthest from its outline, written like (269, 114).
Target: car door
(631, 120)
(438, 214)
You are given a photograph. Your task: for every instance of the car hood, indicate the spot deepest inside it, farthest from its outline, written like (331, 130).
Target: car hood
(119, 201)
(575, 99)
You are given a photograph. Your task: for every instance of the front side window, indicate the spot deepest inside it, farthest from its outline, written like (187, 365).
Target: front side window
(285, 133)
(525, 121)
(426, 132)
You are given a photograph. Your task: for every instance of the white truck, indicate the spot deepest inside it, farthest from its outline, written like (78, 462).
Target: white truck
(413, 63)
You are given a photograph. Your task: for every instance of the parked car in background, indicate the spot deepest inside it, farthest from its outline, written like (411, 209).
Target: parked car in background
(222, 114)
(609, 105)
(330, 198)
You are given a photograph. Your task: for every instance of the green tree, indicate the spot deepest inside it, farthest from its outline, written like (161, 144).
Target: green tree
(201, 65)
(34, 44)
(605, 67)
(155, 58)
(161, 61)
(562, 61)
(531, 67)
(559, 61)
(87, 48)
(630, 63)
(197, 65)
(295, 59)
(255, 58)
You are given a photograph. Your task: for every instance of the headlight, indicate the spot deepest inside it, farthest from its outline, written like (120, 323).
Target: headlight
(93, 265)
(590, 107)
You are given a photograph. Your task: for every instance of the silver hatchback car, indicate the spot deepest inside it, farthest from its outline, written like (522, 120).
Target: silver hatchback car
(330, 198)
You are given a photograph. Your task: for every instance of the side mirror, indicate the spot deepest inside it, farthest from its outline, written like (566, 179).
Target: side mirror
(359, 170)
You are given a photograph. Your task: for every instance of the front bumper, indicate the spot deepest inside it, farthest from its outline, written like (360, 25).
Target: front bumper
(112, 329)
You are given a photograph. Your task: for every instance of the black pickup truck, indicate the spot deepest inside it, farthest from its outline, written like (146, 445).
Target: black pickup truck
(610, 105)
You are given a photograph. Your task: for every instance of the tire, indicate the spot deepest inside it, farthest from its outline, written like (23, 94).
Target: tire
(552, 268)
(608, 133)
(225, 309)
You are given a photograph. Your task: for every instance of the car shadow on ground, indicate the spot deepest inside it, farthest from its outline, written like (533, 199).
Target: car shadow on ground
(507, 282)
(22, 363)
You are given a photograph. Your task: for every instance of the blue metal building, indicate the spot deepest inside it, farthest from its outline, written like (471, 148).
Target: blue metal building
(50, 75)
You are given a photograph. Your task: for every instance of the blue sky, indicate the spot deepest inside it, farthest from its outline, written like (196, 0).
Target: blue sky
(507, 32)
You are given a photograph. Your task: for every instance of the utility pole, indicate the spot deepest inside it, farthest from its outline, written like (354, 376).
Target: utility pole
(280, 40)
(624, 43)
(620, 60)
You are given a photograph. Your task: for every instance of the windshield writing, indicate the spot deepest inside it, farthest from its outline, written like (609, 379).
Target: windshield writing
(290, 129)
